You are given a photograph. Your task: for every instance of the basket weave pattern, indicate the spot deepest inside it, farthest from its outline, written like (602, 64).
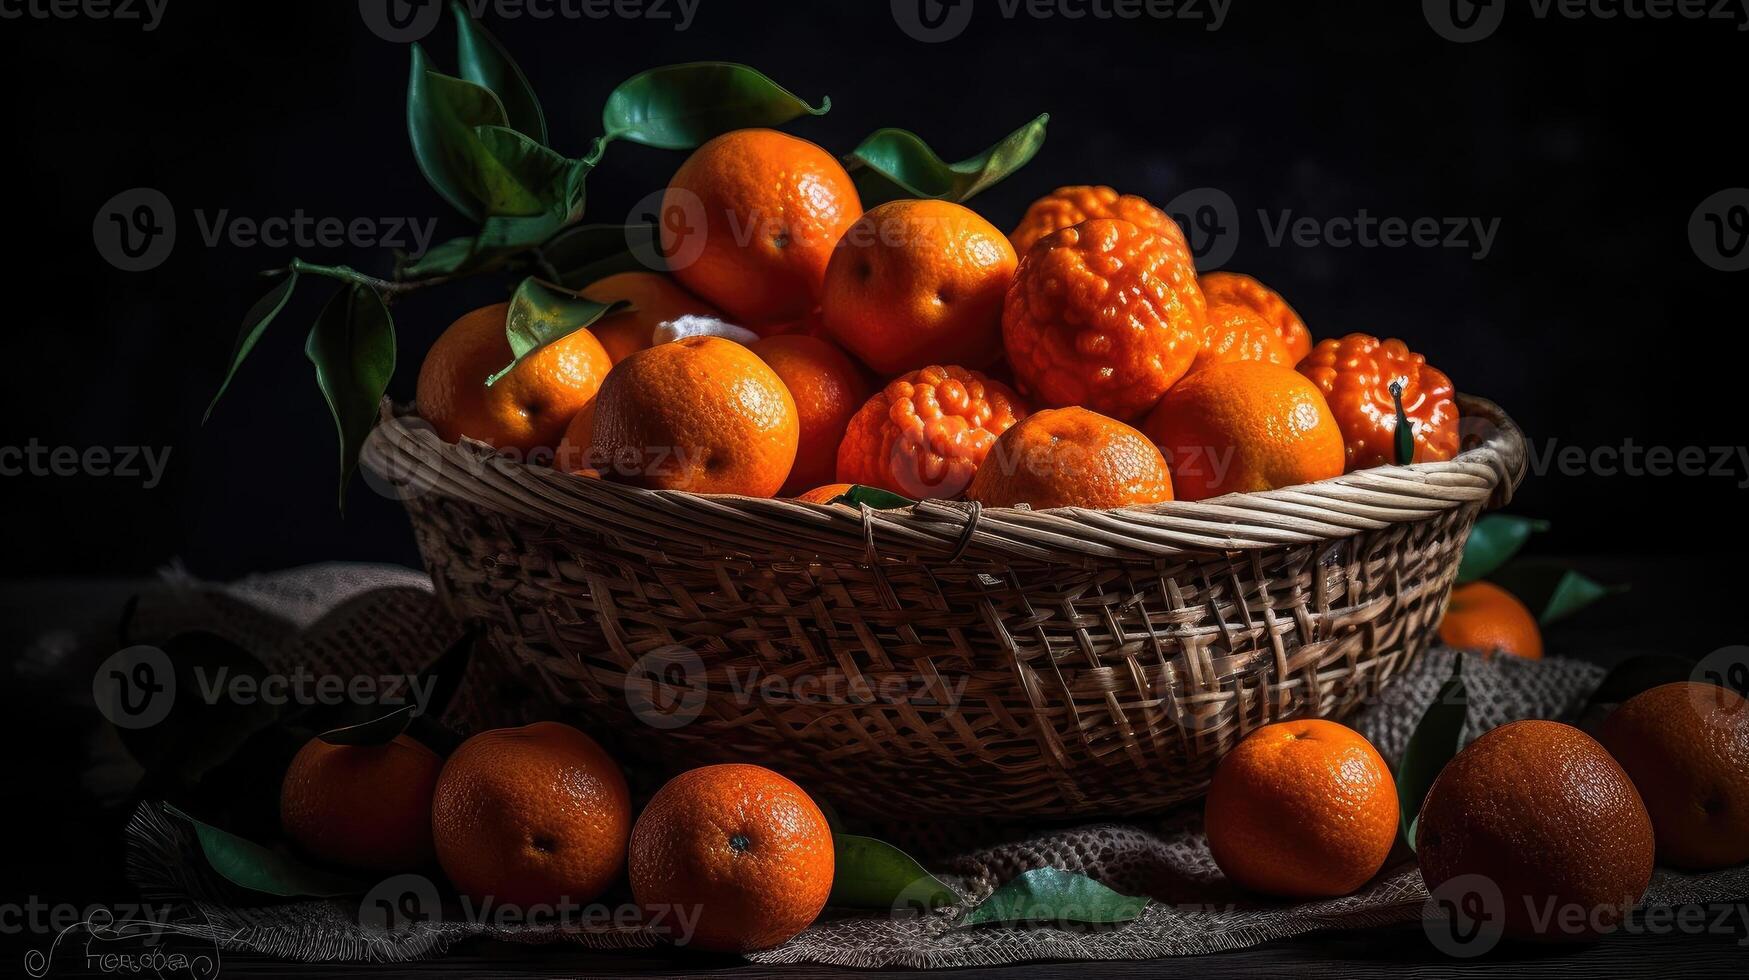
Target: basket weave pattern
(945, 659)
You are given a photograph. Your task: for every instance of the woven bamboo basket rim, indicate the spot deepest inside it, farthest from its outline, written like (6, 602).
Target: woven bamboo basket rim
(408, 453)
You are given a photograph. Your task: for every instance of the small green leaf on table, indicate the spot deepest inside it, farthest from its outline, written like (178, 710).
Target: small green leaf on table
(1404, 435)
(872, 874)
(1054, 896)
(874, 497)
(247, 864)
(352, 346)
(1494, 539)
(1553, 592)
(254, 325)
(896, 163)
(380, 730)
(485, 62)
(1436, 739)
(542, 312)
(678, 107)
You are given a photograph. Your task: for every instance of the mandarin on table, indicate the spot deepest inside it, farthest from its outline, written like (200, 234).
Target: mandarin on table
(1238, 289)
(1235, 333)
(1301, 809)
(1105, 315)
(526, 410)
(1484, 617)
(1542, 812)
(363, 806)
(1072, 205)
(702, 414)
(1355, 374)
(1244, 426)
(925, 434)
(919, 282)
(1071, 457)
(1686, 747)
(744, 847)
(750, 220)
(828, 388)
(654, 298)
(531, 816)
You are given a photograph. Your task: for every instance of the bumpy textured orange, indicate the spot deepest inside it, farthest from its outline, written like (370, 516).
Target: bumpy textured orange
(1070, 457)
(1301, 809)
(1355, 375)
(1542, 812)
(1686, 747)
(749, 222)
(825, 494)
(1482, 616)
(1235, 333)
(654, 298)
(740, 846)
(362, 806)
(1105, 315)
(526, 410)
(918, 282)
(828, 388)
(1243, 290)
(702, 414)
(530, 816)
(1067, 206)
(1244, 426)
(925, 434)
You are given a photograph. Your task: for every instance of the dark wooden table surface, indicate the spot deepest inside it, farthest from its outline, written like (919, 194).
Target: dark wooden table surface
(75, 856)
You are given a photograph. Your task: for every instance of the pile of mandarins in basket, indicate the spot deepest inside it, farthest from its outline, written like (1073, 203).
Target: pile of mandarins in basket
(800, 345)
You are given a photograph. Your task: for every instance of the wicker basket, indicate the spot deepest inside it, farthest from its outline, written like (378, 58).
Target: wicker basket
(942, 659)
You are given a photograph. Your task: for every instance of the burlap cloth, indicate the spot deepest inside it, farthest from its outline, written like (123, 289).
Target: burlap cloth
(359, 618)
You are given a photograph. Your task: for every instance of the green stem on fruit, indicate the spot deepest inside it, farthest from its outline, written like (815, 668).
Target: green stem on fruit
(1405, 435)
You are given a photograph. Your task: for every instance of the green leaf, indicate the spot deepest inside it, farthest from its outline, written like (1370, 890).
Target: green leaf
(1436, 739)
(380, 730)
(1551, 591)
(1494, 539)
(588, 253)
(457, 256)
(215, 707)
(1404, 435)
(539, 173)
(895, 163)
(1639, 674)
(872, 874)
(254, 325)
(485, 62)
(875, 497)
(352, 346)
(1051, 895)
(445, 674)
(541, 312)
(678, 107)
(249, 865)
(443, 116)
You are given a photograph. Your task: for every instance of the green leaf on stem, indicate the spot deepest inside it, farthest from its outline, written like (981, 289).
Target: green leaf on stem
(541, 312)
(247, 864)
(1436, 739)
(352, 346)
(1494, 539)
(1404, 436)
(587, 253)
(872, 874)
(444, 115)
(1055, 896)
(1553, 592)
(678, 107)
(896, 163)
(254, 325)
(485, 62)
(874, 497)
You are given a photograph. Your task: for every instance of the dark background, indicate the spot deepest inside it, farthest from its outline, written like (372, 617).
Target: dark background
(1592, 320)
